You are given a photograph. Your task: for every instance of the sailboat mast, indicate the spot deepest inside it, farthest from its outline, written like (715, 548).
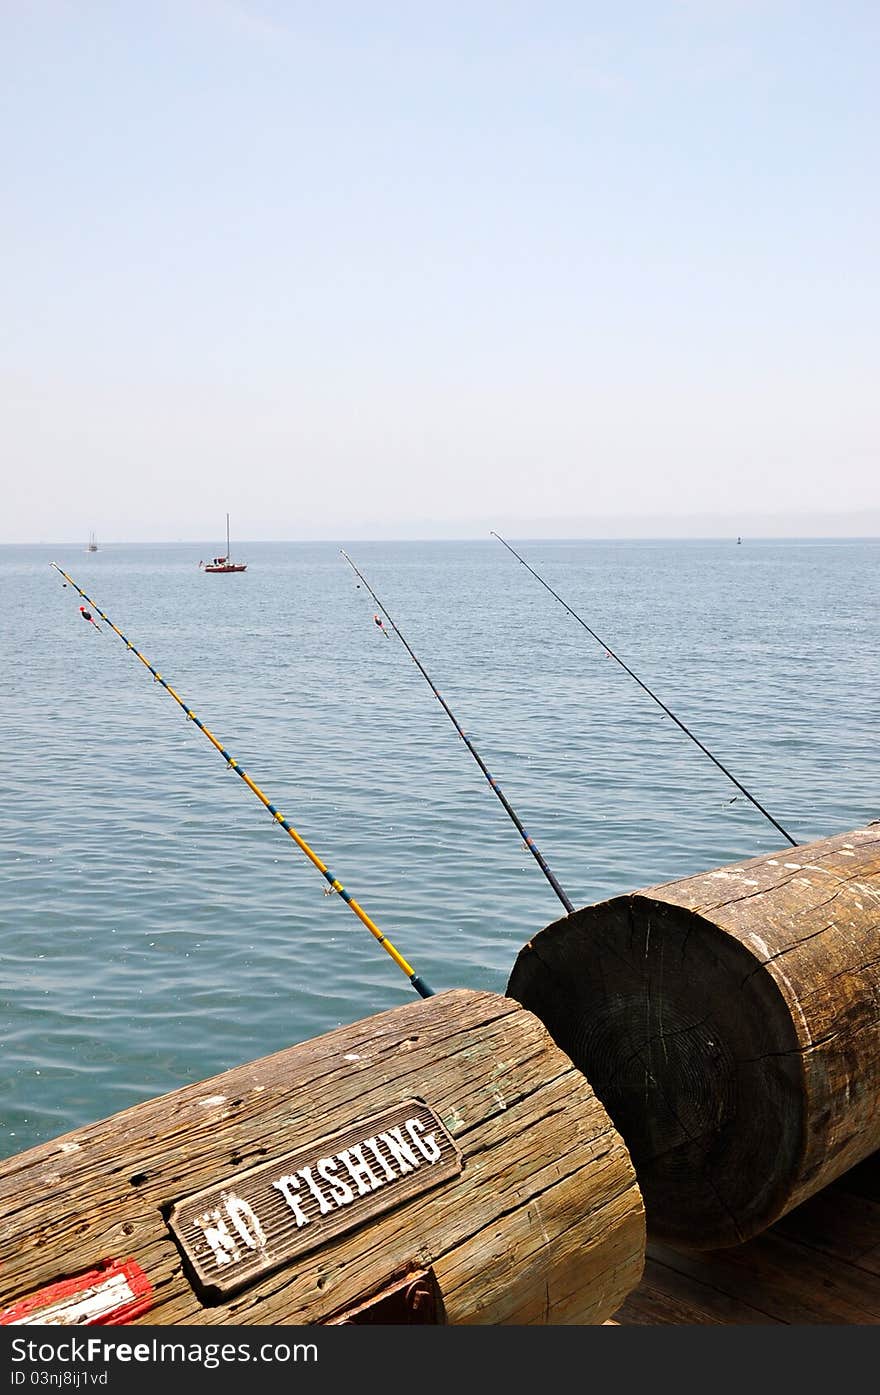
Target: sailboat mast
(227, 538)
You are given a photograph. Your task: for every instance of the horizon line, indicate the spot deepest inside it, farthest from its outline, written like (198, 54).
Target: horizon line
(418, 538)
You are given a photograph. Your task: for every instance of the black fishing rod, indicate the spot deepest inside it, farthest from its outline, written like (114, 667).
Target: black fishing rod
(418, 983)
(646, 689)
(493, 783)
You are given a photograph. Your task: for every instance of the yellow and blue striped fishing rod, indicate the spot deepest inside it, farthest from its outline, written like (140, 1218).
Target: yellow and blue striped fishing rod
(418, 983)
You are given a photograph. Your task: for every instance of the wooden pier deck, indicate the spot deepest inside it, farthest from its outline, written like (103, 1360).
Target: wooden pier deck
(820, 1264)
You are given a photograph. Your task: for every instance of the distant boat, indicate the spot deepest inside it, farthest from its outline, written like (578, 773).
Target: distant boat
(224, 564)
(739, 540)
(93, 543)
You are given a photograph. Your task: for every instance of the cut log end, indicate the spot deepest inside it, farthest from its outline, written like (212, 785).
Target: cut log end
(691, 1048)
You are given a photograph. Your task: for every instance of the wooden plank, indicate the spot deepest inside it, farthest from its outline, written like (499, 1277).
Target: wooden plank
(837, 1224)
(819, 1264)
(784, 1279)
(667, 1297)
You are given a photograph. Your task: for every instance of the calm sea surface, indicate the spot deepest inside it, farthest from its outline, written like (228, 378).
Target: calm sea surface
(156, 925)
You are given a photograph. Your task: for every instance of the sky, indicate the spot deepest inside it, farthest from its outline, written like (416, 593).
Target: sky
(389, 269)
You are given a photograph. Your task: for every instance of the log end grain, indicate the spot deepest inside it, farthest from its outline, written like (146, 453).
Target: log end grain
(691, 1050)
(730, 1024)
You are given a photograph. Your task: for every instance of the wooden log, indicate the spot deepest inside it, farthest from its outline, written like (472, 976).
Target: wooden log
(441, 1161)
(730, 1023)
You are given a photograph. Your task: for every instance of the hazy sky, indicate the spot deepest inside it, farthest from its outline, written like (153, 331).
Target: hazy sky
(411, 269)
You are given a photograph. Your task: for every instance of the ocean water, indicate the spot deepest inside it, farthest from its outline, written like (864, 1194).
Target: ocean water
(156, 925)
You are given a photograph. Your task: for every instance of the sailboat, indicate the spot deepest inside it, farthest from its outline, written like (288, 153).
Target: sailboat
(93, 543)
(224, 564)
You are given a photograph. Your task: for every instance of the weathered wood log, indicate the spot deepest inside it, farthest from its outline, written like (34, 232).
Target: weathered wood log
(439, 1161)
(730, 1023)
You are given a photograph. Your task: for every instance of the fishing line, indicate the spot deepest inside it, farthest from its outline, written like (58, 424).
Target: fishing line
(646, 689)
(418, 983)
(493, 783)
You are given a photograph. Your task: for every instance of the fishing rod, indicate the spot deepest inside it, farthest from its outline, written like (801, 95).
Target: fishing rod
(418, 983)
(493, 783)
(646, 689)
